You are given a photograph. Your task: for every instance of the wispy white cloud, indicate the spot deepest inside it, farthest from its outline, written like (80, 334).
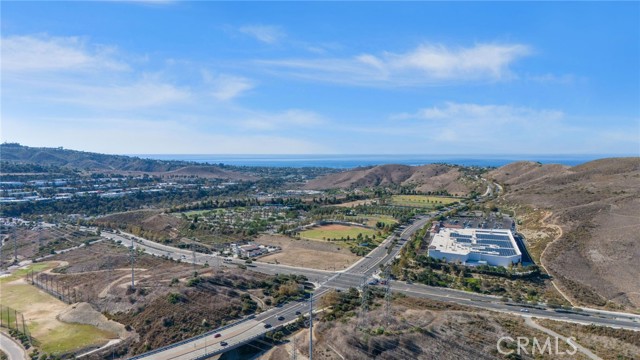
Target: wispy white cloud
(226, 87)
(466, 127)
(426, 64)
(50, 53)
(268, 34)
(452, 111)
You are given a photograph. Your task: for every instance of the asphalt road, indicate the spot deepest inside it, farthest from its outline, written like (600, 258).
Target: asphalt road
(10, 347)
(254, 328)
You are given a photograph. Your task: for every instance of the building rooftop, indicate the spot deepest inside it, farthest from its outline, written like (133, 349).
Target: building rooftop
(464, 241)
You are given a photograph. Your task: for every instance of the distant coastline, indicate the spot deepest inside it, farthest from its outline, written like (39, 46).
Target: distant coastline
(352, 161)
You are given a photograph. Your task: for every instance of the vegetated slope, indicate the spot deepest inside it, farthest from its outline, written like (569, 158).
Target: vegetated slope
(597, 205)
(432, 177)
(152, 224)
(15, 153)
(420, 329)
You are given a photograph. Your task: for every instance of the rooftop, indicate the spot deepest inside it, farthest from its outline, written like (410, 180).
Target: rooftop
(464, 241)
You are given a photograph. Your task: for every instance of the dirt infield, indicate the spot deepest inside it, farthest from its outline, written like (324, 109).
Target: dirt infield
(308, 253)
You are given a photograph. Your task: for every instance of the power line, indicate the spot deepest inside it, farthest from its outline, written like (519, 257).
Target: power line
(132, 267)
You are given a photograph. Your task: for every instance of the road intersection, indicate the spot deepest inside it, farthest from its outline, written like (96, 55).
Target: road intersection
(249, 329)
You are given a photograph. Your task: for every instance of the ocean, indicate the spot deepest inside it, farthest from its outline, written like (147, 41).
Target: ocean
(352, 161)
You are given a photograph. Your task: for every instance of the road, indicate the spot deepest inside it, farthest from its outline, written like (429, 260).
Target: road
(10, 347)
(253, 328)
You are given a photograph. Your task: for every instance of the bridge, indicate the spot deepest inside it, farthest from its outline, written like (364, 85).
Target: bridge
(253, 327)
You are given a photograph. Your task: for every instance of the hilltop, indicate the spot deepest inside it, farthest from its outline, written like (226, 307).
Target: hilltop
(425, 178)
(597, 207)
(96, 162)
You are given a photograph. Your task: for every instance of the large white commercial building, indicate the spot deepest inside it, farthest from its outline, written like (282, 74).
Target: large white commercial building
(495, 247)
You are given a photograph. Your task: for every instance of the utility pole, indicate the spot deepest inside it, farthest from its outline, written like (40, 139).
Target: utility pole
(39, 236)
(193, 251)
(15, 245)
(311, 327)
(294, 352)
(364, 304)
(387, 295)
(133, 285)
(1, 245)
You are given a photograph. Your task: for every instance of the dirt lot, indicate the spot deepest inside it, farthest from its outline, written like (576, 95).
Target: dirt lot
(356, 203)
(308, 253)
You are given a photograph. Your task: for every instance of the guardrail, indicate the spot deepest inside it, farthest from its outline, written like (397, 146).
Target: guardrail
(152, 352)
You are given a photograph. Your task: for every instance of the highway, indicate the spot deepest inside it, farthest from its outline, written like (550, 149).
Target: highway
(254, 327)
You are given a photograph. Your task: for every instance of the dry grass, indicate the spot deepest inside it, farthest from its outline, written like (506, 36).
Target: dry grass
(163, 308)
(308, 253)
(607, 343)
(41, 312)
(596, 205)
(356, 203)
(421, 329)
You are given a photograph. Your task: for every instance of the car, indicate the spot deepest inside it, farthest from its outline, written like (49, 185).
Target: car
(297, 312)
(217, 335)
(524, 310)
(224, 343)
(267, 326)
(280, 317)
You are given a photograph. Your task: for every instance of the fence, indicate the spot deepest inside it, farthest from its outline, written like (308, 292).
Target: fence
(54, 287)
(13, 320)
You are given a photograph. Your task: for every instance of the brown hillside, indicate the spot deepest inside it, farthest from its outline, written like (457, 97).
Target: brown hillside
(431, 177)
(597, 205)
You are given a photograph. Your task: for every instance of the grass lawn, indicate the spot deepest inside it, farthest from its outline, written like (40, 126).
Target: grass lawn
(40, 310)
(423, 201)
(196, 212)
(336, 231)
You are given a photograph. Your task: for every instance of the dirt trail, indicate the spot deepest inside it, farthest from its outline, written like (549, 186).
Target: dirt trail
(560, 233)
(582, 349)
(105, 291)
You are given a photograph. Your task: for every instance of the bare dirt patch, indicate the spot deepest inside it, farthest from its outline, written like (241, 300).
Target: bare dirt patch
(308, 253)
(83, 313)
(356, 203)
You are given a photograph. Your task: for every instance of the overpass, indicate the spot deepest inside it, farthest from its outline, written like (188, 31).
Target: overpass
(256, 326)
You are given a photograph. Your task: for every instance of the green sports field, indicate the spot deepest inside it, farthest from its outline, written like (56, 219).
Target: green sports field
(336, 231)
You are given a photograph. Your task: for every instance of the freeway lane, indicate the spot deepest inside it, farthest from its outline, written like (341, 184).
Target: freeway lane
(487, 302)
(251, 329)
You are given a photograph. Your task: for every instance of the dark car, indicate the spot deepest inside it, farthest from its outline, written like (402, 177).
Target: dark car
(224, 343)
(217, 335)
(297, 312)
(266, 326)
(280, 318)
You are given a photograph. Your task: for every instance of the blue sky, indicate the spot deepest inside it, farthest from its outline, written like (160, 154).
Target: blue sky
(140, 77)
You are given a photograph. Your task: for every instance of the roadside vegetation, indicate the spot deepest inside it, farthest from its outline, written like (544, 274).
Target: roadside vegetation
(422, 201)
